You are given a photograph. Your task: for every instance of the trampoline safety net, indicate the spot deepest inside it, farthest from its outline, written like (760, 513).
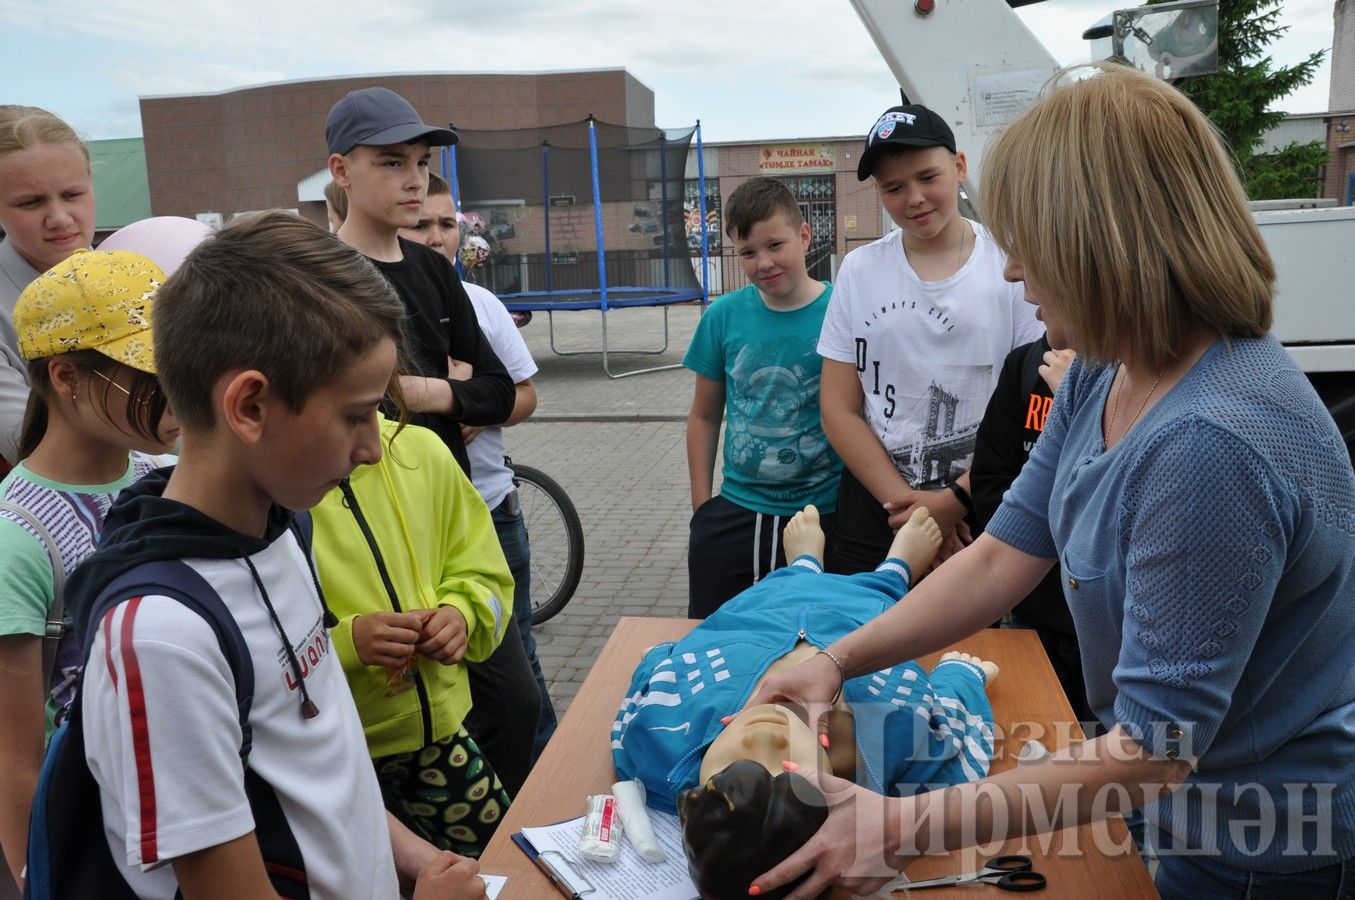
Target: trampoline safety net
(530, 194)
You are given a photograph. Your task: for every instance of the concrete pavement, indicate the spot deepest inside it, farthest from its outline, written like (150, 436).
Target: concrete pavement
(618, 449)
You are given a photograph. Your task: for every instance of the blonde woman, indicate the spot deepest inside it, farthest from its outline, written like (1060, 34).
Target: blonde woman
(1199, 499)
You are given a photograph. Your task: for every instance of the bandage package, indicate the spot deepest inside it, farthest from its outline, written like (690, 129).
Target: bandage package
(601, 839)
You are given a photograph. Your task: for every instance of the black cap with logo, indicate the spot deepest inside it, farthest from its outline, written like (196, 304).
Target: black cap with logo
(907, 126)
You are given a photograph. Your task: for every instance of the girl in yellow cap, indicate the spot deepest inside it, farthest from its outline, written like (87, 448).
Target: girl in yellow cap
(94, 416)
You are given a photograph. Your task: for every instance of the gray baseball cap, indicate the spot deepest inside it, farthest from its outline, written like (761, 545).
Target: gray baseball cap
(379, 117)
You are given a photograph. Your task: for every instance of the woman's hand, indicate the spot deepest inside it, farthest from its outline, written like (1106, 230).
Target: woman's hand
(854, 850)
(812, 685)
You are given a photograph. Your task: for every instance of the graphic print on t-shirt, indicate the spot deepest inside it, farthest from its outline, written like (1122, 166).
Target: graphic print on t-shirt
(772, 435)
(929, 425)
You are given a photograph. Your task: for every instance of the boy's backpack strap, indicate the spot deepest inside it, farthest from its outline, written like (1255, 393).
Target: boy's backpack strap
(176, 579)
(57, 626)
(68, 851)
(305, 529)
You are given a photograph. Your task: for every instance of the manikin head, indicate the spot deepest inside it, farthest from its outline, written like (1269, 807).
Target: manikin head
(744, 806)
(746, 799)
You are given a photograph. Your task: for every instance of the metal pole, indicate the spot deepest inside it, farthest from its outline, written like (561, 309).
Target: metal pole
(448, 158)
(701, 199)
(663, 207)
(545, 199)
(597, 215)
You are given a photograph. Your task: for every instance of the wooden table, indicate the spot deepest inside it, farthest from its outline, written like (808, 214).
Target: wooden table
(1090, 861)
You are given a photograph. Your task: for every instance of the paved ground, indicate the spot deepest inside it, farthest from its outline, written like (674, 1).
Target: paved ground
(617, 447)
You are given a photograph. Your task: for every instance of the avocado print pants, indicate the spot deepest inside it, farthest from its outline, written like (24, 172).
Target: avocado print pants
(446, 793)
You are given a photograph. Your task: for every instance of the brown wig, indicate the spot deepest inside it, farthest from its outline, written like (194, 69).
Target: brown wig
(742, 822)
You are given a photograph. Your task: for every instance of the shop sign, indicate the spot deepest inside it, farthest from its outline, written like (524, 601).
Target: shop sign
(790, 159)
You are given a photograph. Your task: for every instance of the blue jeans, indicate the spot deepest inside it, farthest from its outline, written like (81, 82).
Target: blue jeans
(512, 531)
(1207, 878)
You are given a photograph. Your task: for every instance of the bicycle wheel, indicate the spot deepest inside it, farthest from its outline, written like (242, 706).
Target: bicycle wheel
(555, 535)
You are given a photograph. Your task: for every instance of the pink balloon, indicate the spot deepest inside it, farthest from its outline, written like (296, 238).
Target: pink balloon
(165, 239)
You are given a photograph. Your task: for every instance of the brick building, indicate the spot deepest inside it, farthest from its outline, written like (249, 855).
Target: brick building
(1340, 174)
(233, 151)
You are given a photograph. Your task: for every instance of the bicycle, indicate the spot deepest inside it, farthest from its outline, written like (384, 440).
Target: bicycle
(555, 535)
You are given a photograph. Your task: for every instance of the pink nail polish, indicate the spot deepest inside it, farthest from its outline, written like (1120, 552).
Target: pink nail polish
(726, 720)
(754, 891)
(823, 741)
(790, 766)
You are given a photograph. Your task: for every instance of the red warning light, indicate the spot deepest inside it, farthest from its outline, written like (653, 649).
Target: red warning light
(924, 7)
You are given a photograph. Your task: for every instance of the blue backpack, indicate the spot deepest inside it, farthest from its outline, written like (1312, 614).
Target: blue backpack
(68, 853)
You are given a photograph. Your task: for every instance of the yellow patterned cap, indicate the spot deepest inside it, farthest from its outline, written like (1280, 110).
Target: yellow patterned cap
(93, 300)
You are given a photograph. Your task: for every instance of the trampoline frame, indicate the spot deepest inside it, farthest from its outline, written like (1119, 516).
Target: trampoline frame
(665, 296)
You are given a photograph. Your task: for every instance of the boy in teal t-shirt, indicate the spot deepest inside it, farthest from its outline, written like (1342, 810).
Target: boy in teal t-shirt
(756, 364)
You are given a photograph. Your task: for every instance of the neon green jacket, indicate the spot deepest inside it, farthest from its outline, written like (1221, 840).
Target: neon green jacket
(435, 538)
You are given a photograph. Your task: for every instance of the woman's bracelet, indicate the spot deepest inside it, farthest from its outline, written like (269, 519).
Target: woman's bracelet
(841, 674)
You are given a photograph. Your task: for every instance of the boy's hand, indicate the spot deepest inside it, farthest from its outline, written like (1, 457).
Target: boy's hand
(442, 636)
(450, 877)
(944, 506)
(1055, 366)
(428, 395)
(469, 432)
(953, 540)
(458, 370)
(386, 638)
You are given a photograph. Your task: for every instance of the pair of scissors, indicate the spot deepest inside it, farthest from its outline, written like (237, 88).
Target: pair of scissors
(1009, 873)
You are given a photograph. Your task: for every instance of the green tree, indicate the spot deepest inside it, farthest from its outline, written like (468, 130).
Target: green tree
(1237, 97)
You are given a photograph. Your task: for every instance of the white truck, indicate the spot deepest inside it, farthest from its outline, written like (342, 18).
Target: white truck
(976, 64)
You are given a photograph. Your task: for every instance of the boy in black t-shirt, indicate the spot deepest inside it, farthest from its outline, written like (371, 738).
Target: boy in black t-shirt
(379, 152)
(1012, 423)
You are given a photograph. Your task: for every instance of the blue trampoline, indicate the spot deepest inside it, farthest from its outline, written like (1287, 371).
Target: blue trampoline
(553, 204)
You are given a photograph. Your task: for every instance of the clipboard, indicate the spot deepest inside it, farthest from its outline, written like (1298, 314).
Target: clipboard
(553, 864)
(553, 850)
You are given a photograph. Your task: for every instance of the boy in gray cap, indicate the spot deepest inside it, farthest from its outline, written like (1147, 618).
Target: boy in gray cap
(379, 152)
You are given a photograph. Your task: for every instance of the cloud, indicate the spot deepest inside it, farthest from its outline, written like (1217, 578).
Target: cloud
(752, 69)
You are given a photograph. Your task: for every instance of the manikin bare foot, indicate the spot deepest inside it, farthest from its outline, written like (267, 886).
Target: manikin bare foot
(988, 666)
(916, 541)
(803, 535)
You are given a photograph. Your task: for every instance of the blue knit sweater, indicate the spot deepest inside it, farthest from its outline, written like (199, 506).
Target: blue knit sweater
(1207, 562)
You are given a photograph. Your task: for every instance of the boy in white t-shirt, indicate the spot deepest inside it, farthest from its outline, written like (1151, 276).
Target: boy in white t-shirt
(917, 328)
(275, 344)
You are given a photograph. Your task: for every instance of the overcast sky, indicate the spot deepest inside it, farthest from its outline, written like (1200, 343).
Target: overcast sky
(749, 69)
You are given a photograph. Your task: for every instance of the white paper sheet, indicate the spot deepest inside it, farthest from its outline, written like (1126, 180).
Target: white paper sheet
(630, 877)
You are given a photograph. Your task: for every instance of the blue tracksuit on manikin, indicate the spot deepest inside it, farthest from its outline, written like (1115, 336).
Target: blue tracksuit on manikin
(914, 732)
